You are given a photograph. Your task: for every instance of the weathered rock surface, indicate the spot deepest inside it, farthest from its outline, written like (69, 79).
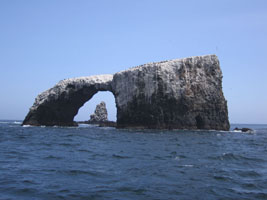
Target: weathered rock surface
(59, 105)
(181, 94)
(100, 114)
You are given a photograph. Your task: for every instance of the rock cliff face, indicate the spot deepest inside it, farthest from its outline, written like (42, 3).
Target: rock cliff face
(100, 114)
(182, 93)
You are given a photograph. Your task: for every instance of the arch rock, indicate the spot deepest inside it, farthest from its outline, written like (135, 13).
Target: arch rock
(59, 105)
(170, 94)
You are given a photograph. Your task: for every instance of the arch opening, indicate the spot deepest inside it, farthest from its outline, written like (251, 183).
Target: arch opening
(89, 106)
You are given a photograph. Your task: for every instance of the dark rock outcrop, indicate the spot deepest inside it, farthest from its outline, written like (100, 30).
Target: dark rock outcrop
(100, 114)
(176, 94)
(244, 130)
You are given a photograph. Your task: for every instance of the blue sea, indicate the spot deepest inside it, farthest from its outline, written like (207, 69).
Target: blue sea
(89, 162)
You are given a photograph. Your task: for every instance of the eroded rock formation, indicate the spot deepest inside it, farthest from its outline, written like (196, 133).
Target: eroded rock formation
(181, 93)
(59, 105)
(100, 114)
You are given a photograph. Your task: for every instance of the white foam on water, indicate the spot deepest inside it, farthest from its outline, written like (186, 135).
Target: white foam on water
(237, 131)
(26, 126)
(83, 125)
(187, 165)
(177, 158)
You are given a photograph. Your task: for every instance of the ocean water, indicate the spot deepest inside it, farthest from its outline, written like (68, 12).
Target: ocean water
(89, 162)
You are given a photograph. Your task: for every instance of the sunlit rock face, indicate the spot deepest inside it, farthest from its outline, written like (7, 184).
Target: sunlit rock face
(176, 94)
(183, 94)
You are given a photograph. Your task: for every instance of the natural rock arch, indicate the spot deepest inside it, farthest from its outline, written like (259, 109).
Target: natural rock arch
(181, 94)
(60, 104)
(90, 107)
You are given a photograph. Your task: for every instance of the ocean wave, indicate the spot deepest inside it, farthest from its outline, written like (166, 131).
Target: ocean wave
(247, 173)
(222, 178)
(232, 156)
(118, 164)
(186, 165)
(119, 156)
(53, 157)
(81, 172)
(26, 191)
(131, 189)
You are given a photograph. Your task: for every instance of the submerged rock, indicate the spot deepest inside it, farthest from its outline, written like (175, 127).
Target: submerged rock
(100, 114)
(244, 130)
(175, 94)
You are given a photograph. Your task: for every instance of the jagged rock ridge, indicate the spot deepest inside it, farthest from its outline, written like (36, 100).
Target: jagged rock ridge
(181, 93)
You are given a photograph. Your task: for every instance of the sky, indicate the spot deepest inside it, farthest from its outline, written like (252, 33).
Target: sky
(43, 42)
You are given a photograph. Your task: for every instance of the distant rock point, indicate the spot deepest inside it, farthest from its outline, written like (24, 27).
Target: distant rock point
(100, 114)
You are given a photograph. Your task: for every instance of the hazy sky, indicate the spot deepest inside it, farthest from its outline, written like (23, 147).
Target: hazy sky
(42, 42)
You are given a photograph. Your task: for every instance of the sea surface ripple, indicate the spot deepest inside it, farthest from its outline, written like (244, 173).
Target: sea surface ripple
(88, 162)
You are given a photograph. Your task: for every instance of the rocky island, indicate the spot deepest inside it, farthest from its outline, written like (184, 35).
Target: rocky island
(174, 94)
(100, 117)
(100, 114)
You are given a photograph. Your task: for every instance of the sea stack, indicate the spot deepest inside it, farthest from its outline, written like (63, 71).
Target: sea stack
(175, 94)
(100, 114)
